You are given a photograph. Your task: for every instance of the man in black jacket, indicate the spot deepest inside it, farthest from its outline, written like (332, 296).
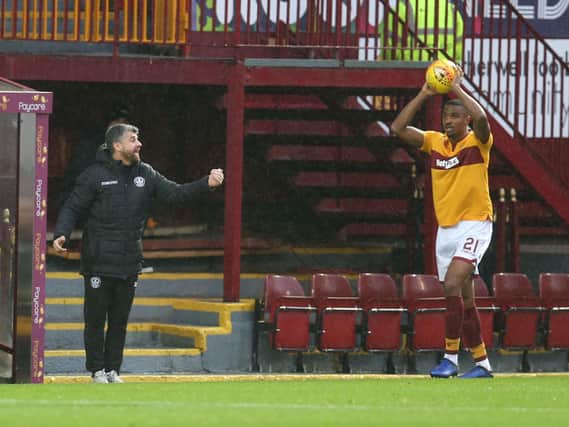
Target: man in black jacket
(115, 194)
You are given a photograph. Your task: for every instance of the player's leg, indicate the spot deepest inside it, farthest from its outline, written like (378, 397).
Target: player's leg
(459, 270)
(475, 241)
(95, 307)
(452, 272)
(119, 310)
(472, 334)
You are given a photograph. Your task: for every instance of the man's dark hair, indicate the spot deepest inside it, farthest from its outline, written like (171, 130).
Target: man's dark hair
(115, 132)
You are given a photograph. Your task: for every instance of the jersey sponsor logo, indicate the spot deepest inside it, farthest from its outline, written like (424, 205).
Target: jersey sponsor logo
(466, 156)
(95, 282)
(446, 163)
(139, 181)
(103, 183)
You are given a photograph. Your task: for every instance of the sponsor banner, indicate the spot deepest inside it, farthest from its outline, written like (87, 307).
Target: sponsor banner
(540, 106)
(550, 18)
(26, 102)
(39, 250)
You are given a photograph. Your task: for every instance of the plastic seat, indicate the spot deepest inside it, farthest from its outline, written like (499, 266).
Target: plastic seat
(554, 293)
(424, 298)
(487, 308)
(337, 312)
(382, 310)
(520, 310)
(286, 313)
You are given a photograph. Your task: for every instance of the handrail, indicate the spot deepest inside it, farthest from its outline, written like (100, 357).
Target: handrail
(529, 61)
(520, 78)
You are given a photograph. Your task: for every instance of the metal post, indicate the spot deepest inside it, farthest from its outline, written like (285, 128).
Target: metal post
(501, 220)
(515, 236)
(24, 239)
(234, 183)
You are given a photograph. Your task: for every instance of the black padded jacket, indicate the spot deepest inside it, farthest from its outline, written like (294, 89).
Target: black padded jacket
(116, 200)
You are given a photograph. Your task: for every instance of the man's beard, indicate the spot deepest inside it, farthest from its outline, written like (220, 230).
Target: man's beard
(132, 158)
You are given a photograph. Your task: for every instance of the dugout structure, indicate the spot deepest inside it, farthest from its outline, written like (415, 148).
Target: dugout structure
(24, 120)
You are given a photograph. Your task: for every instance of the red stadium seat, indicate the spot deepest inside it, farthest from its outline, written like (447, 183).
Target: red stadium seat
(424, 298)
(486, 305)
(286, 313)
(554, 293)
(520, 310)
(382, 309)
(337, 312)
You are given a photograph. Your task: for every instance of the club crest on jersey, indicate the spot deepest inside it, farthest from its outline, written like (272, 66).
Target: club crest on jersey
(95, 282)
(447, 163)
(139, 181)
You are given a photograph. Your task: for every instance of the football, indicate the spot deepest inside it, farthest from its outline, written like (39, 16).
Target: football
(440, 75)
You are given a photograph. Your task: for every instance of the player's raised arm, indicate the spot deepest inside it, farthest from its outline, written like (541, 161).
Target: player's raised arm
(479, 123)
(400, 126)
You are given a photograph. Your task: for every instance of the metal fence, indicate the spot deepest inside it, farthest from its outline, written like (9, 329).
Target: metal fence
(507, 63)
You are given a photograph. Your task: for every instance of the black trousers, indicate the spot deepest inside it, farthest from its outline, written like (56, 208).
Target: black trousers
(107, 299)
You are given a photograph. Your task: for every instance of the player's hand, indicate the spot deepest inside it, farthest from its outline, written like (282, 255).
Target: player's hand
(58, 244)
(428, 90)
(215, 177)
(457, 81)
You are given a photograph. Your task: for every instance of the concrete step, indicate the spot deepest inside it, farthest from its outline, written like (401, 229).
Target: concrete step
(139, 361)
(69, 336)
(182, 311)
(224, 345)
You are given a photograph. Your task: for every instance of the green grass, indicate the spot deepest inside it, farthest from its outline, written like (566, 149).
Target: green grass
(398, 401)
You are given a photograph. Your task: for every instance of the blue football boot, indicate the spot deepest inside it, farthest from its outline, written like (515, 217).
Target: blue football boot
(477, 372)
(444, 369)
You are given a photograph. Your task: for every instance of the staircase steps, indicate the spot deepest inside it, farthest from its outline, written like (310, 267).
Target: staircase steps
(304, 153)
(369, 207)
(164, 335)
(376, 230)
(343, 174)
(536, 218)
(365, 180)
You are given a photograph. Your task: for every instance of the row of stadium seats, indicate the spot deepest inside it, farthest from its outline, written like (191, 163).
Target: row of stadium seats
(379, 319)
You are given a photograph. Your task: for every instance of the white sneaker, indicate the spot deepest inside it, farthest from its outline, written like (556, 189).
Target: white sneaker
(100, 377)
(113, 377)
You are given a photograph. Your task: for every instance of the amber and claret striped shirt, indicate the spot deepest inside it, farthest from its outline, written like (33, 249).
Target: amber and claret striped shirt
(460, 177)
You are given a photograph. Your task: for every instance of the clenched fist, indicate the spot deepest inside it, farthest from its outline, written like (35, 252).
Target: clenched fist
(215, 177)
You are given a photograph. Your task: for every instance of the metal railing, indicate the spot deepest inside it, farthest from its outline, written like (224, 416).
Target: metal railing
(508, 64)
(521, 79)
(384, 29)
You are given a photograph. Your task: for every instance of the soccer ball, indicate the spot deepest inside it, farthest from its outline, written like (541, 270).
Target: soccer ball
(440, 74)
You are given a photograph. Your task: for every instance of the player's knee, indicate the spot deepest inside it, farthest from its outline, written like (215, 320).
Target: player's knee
(452, 287)
(468, 302)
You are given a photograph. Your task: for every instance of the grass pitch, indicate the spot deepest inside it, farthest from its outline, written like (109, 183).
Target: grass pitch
(298, 401)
